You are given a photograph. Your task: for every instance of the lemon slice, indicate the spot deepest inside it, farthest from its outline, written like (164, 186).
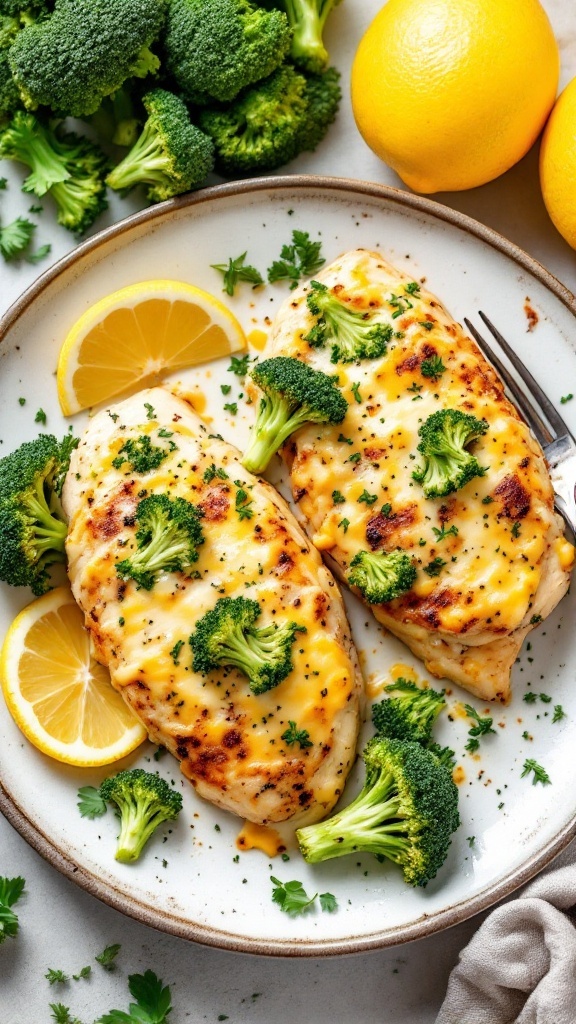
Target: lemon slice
(58, 695)
(130, 338)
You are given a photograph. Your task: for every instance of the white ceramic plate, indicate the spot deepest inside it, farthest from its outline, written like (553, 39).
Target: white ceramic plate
(195, 884)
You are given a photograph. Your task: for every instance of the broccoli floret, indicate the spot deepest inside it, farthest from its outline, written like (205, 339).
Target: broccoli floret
(307, 19)
(381, 576)
(227, 635)
(145, 801)
(171, 156)
(405, 813)
(262, 128)
(117, 119)
(85, 51)
(447, 465)
(409, 713)
(69, 168)
(294, 394)
(444, 755)
(354, 334)
(9, 95)
(323, 94)
(215, 48)
(168, 536)
(32, 523)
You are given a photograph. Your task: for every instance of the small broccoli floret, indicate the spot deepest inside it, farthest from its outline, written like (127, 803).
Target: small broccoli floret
(323, 94)
(145, 801)
(227, 635)
(447, 465)
(261, 130)
(168, 536)
(140, 455)
(307, 19)
(85, 51)
(171, 156)
(406, 813)
(381, 576)
(409, 713)
(294, 394)
(68, 167)
(354, 334)
(216, 48)
(32, 524)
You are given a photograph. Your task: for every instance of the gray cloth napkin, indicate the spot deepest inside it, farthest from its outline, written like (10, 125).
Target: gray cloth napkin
(520, 966)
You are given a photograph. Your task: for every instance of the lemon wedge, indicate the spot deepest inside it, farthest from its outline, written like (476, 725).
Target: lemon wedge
(134, 336)
(58, 694)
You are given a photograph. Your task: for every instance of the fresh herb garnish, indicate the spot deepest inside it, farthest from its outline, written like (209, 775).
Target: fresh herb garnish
(150, 411)
(344, 523)
(212, 472)
(90, 803)
(243, 504)
(15, 238)
(482, 727)
(291, 897)
(175, 652)
(338, 498)
(443, 533)
(11, 890)
(300, 259)
(236, 270)
(152, 1006)
(56, 977)
(559, 713)
(295, 735)
(367, 498)
(239, 365)
(355, 389)
(40, 417)
(540, 773)
(566, 398)
(232, 408)
(432, 368)
(434, 568)
(107, 957)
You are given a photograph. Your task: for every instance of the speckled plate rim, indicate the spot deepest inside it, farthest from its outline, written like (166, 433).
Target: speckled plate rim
(174, 924)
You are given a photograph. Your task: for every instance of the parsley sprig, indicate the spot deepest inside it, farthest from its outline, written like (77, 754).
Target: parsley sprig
(482, 727)
(236, 270)
(293, 899)
(11, 890)
(540, 773)
(90, 803)
(302, 258)
(152, 1006)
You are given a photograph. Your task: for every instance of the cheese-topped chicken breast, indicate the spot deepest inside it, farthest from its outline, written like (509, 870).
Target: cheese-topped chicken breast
(272, 745)
(430, 498)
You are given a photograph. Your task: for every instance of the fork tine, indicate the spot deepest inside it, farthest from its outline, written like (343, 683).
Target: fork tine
(552, 415)
(528, 411)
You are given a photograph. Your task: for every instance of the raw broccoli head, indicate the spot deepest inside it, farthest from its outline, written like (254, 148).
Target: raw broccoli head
(294, 394)
(447, 466)
(409, 713)
(171, 155)
(84, 51)
(353, 334)
(9, 95)
(144, 801)
(405, 813)
(32, 524)
(381, 576)
(228, 635)
(215, 48)
(168, 536)
(262, 128)
(323, 94)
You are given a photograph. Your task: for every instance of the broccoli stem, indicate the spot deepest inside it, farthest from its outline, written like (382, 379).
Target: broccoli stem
(364, 825)
(307, 20)
(30, 145)
(50, 533)
(277, 419)
(245, 652)
(146, 162)
(139, 820)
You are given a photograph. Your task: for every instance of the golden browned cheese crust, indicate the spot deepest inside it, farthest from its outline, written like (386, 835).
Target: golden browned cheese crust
(227, 739)
(505, 563)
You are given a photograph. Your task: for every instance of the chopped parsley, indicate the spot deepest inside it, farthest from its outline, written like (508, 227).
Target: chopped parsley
(344, 523)
(212, 472)
(295, 735)
(355, 457)
(40, 417)
(239, 365)
(15, 238)
(355, 389)
(90, 803)
(232, 408)
(443, 533)
(225, 389)
(302, 258)
(434, 568)
(243, 504)
(56, 977)
(386, 510)
(482, 727)
(566, 398)
(559, 713)
(338, 498)
(107, 958)
(367, 498)
(540, 773)
(11, 890)
(515, 531)
(345, 440)
(175, 652)
(150, 411)
(428, 325)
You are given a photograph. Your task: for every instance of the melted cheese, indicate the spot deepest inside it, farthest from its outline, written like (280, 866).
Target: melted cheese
(260, 837)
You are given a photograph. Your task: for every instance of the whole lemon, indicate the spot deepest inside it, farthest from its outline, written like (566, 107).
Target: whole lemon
(451, 93)
(558, 164)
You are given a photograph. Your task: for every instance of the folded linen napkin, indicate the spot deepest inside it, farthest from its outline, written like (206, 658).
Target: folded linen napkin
(520, 966)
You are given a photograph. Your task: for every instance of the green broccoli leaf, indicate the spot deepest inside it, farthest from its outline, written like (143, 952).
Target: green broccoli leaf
(90, 803)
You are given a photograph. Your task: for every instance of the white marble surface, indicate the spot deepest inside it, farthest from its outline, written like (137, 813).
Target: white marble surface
(62, 926)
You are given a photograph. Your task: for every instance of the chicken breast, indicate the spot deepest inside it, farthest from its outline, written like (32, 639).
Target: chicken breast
(491, 558)
(235, 746)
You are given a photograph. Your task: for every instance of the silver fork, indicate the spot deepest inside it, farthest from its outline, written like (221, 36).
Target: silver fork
(544, 420)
